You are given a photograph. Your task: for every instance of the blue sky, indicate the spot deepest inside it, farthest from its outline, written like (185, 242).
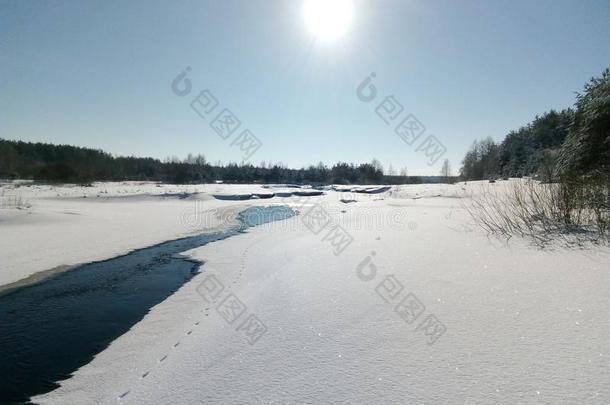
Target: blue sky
(99, 73)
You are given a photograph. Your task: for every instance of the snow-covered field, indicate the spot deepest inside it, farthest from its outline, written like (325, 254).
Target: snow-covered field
(388, 298)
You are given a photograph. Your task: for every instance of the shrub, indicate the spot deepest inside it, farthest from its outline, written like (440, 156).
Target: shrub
(573, 210)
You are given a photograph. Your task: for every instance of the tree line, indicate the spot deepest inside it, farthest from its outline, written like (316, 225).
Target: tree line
(557, 144)
(72, 164)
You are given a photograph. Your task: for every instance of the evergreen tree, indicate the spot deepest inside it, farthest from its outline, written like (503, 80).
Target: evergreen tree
(587, 148)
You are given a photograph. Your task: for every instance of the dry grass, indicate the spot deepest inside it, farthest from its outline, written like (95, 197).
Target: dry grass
(9, 199)
(574, 211)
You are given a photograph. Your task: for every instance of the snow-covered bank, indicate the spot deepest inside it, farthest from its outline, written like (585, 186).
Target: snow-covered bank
(68, 225)
(522, 325)
(45, 227)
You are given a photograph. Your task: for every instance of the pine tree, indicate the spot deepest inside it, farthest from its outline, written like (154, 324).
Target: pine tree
(587, 148)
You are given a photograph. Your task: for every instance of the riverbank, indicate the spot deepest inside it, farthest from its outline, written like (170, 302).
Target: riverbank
(46, 227)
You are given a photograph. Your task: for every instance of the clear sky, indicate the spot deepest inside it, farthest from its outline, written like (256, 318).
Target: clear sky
(99, 74)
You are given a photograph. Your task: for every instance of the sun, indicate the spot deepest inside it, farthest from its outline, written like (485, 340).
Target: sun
(328, 20)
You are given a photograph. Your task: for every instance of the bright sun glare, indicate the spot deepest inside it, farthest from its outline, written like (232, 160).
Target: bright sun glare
(328, 20)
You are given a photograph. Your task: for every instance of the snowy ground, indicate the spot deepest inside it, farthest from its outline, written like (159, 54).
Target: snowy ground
(43, 227)
(518, 325)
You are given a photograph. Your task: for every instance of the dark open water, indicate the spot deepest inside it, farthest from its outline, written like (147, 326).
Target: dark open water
(50, 329)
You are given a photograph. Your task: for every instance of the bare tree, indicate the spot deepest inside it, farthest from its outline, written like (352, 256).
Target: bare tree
(377, 165)
(446, 170)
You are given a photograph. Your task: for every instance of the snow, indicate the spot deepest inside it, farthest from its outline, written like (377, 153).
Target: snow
(68, 225)
(523, 325)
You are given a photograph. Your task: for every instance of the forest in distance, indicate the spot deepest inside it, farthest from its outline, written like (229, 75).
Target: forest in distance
(70, 164)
